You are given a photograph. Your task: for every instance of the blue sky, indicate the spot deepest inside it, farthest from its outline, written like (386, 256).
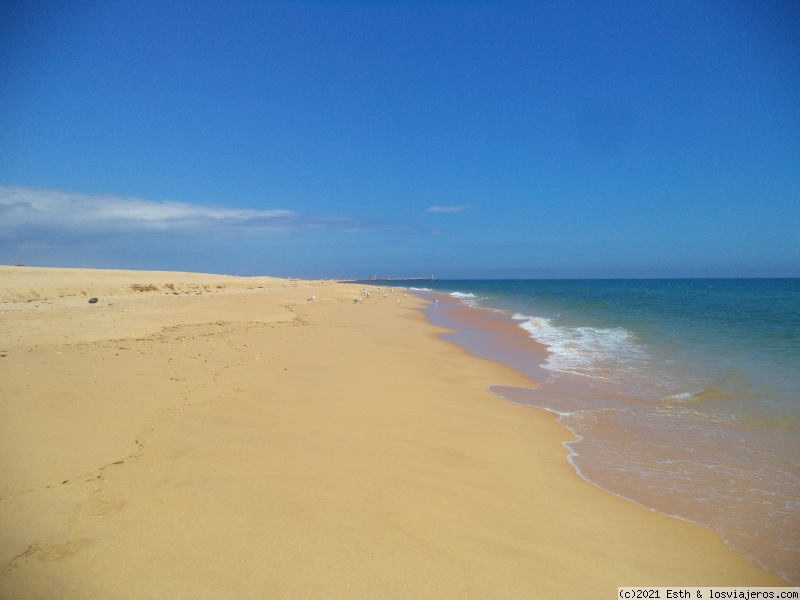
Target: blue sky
(350, 139)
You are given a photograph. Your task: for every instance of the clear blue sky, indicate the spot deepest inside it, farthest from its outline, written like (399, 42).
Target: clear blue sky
(350, 139)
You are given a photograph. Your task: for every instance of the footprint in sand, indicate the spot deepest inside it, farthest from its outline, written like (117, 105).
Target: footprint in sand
(65, 550)
(52, 552)
(101, 508)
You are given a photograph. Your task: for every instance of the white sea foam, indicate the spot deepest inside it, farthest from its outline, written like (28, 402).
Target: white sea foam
(683, 396)
(683, 399)
(589, 351)
(466, 298)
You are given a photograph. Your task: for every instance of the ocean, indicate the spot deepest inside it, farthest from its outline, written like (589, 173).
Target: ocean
(683, 394)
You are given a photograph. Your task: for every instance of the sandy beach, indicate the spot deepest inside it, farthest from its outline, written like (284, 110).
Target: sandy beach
(205, 436)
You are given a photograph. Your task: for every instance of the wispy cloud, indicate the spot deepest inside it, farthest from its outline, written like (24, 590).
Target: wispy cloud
(448, 209)
(27, 212)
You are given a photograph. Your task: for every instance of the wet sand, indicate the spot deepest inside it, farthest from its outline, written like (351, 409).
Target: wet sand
(487, 334)
(202, 436)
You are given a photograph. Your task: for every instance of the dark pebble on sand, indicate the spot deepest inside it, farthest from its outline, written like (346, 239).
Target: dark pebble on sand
(92, 300)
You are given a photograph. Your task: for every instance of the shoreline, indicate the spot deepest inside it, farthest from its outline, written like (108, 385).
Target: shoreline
(198, 443)
(507, 345)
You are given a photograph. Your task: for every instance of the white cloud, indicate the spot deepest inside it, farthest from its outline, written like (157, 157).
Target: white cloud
(447, 209)
(26, 212)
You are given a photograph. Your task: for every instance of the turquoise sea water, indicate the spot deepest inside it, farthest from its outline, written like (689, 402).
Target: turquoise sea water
(684, 394)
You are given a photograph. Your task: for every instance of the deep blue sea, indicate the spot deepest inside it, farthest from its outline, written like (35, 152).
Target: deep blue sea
(684, 394)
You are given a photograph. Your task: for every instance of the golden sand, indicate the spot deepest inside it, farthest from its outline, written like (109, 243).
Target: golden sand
(202, 436)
